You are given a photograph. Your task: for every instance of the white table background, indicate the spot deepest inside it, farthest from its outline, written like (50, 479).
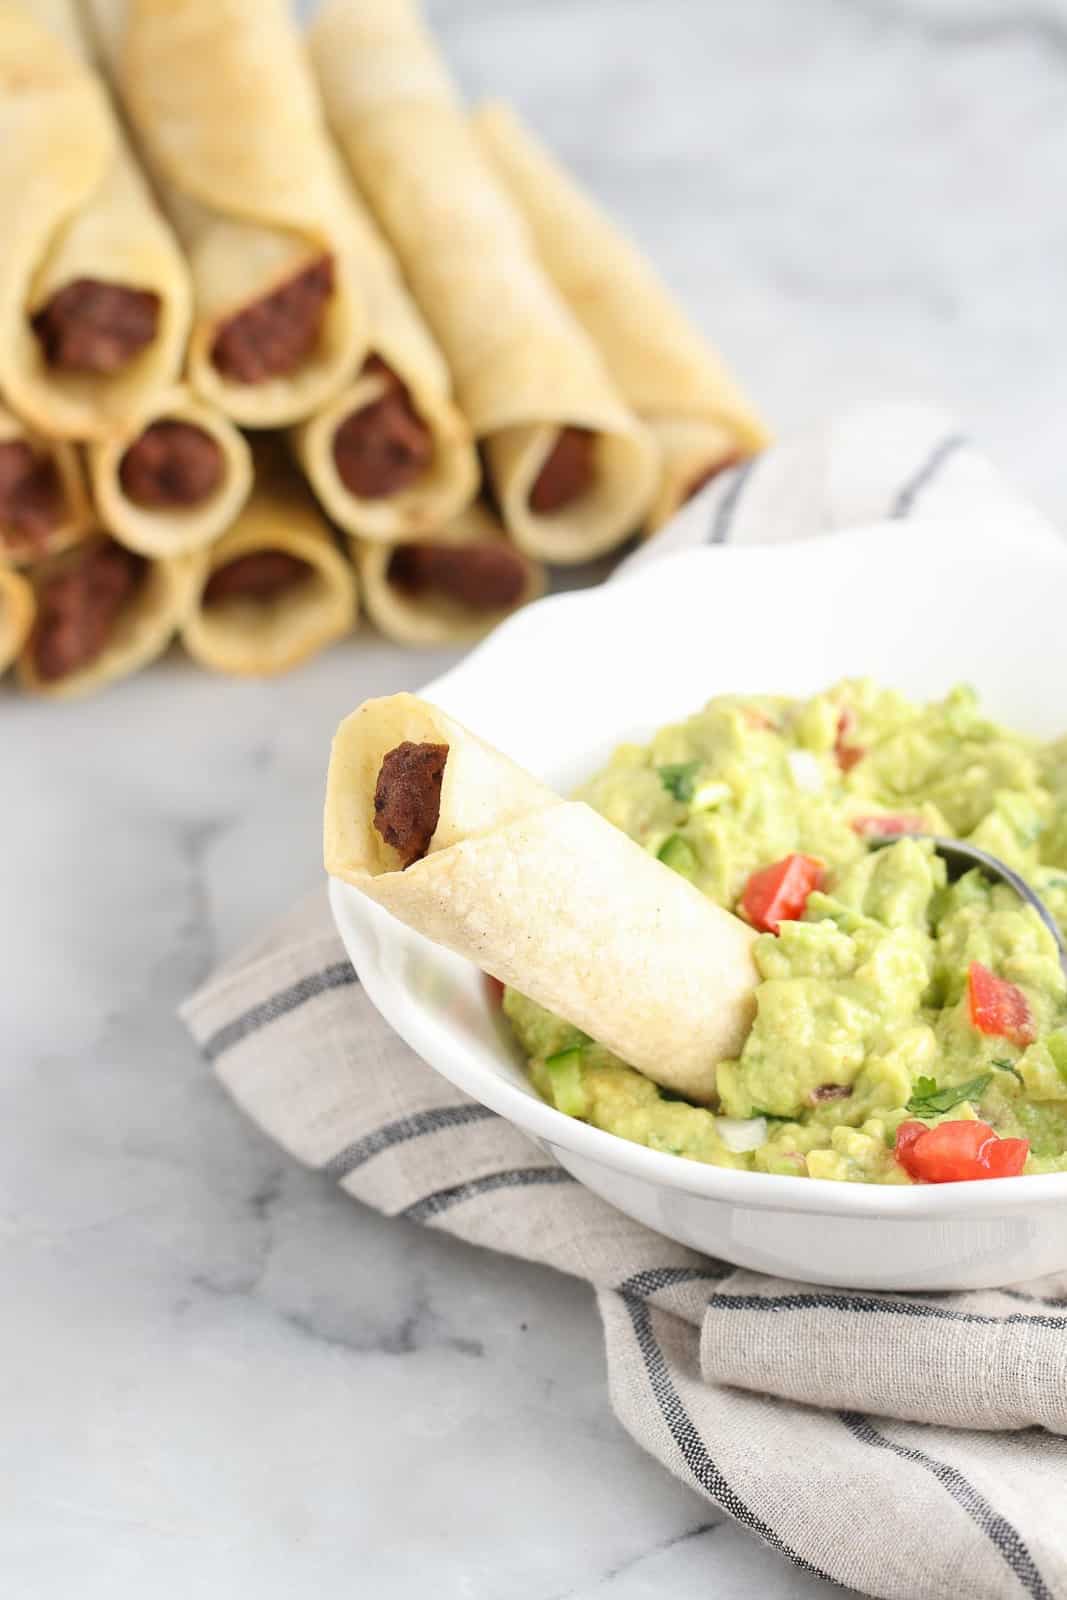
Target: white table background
(218, 1377)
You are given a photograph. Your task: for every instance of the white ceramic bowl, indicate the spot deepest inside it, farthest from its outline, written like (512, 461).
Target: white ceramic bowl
(920, 607)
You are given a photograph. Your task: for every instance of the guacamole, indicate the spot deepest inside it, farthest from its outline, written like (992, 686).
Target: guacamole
(891, 1003)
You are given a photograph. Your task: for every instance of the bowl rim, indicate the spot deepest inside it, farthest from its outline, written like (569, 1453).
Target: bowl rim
(359, 920)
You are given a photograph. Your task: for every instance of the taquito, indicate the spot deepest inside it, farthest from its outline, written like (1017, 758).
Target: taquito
(17, 607)
(572, 470)
(275, 590)
(44, 505)
(468, 849)
(392, 455)
(228, 122)
(103, 613)
(451, 589)
(663, 367)
(96, 300)
(176, 482)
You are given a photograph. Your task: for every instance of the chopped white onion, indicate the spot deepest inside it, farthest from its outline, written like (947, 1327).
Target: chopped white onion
(706, 796)
(807, 771)
(740, 1134)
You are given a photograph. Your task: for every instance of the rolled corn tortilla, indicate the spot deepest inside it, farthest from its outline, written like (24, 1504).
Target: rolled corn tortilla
(391, 455)
(572, 470)
(44, 505)
(17, 608)
(663, 367)
(452, 589)
(275, 589)
(97, 314)
(176, 482)
(103, 613)
(468, 849)
(228, 122)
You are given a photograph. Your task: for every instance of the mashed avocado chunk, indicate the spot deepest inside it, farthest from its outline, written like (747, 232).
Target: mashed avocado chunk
(866, 1012)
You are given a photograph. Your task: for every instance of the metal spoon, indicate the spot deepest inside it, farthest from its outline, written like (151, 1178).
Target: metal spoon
(960, 858)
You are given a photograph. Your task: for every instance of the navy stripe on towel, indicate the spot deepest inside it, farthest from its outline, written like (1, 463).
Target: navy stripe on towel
(401, 1131)
(650, 1282)
(721, 522)
(864, 1305)
(904, 503)
(432, 1205)
(339, 976)
(687, 1437)
(1007, 1538)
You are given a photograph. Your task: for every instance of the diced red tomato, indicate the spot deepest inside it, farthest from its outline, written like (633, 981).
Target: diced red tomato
(907, 1134)
(893, 825)
(999, 1007)
(1006, 1158)
(779, 893)
(495, 990)
(958, 1152)
(847, 754)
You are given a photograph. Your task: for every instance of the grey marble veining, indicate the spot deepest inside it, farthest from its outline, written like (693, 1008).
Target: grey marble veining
(218, 1376)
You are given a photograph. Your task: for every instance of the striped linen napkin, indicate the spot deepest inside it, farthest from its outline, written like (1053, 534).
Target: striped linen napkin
(907, 1445)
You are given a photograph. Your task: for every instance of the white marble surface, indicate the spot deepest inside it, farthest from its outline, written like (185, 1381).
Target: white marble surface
(217, 1376)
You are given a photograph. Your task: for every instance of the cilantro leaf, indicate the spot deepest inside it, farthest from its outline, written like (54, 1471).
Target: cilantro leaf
(1008, 1066)
(928, 1100)
(678, 779)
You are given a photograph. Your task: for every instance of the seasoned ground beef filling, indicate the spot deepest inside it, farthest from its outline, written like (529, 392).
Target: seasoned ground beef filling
(96, 327)
(407, 798)
(172, 466)
(567, 474)
(262, 575)
(483, 577)
(272, 337)
(77, 609)
(384, 448)
(31, 494)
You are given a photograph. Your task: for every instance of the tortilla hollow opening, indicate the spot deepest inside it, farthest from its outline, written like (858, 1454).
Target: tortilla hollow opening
(277, 333)
(384, 447)
(261, 575)
(483, 577)
(90, 326)
(79, 608)
(31, 493)
(568, 473)
(173, 465)
(407, 798)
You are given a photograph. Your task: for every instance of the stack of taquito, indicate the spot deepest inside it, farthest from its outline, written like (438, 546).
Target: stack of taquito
(464, 371)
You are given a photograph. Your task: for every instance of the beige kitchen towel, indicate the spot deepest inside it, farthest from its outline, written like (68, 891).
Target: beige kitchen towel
(911, 1446)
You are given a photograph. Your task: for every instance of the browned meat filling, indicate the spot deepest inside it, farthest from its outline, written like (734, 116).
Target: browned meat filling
(485, 577)
(705, 478)
(386, 447)
(262, 575)
(275, 335)
(172, 465)
(567, 474)
(31, 494)
(77, 609)
(407, 798)
(96, 327)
